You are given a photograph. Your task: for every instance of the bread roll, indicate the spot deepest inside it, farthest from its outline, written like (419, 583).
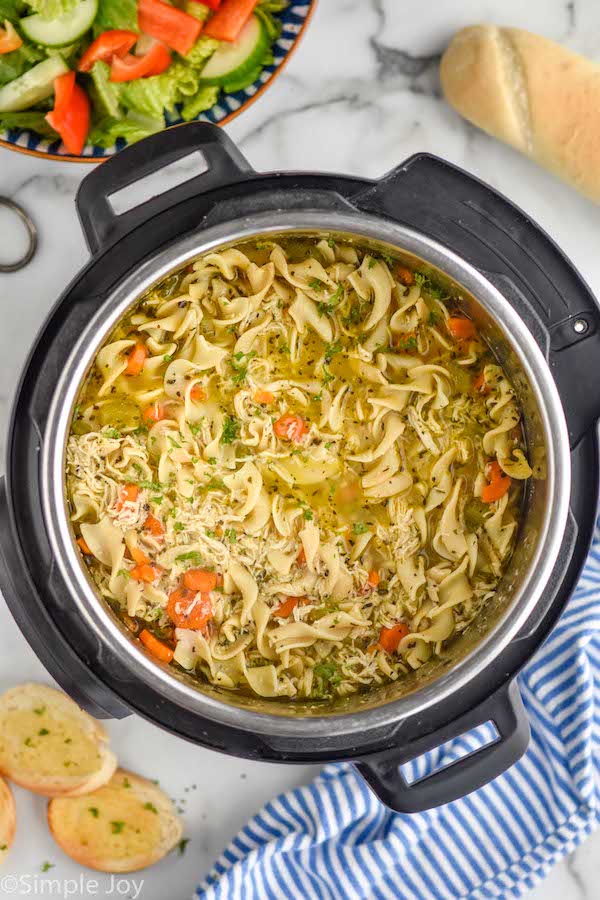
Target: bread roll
(8, 819)
(49, 745)
(534, 94)
(124, 826)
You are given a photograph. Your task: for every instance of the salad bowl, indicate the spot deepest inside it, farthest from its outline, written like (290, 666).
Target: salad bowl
(213, 82)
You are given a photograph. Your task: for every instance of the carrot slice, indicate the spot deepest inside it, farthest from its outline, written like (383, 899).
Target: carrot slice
(461, 329)
(373, 578)
(136, 359)
(189, 609)
(404, 275)
(83, 546)
(198, 393)
(499, 483)
(290, 428)
(301, 558)
(154, 526)
(145, 572)
(288, 606)
(265, 397)
(156, 647)
(200, 580)
(480, 384)
(128, 494)
(154, 413)
(140, 557)
(389, 638)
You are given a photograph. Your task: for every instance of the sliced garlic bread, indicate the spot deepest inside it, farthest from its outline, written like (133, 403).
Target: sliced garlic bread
(126, 825)
(49, 745)
(8, 819)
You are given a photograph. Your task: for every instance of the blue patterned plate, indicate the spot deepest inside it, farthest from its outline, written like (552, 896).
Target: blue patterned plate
(294, 20)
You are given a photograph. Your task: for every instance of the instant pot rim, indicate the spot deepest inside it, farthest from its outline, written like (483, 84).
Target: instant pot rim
(361, 227)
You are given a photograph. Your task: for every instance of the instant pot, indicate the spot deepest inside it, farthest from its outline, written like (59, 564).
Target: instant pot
(540, 319)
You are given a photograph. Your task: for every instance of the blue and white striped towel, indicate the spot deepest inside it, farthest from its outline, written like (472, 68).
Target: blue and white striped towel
(333, 840)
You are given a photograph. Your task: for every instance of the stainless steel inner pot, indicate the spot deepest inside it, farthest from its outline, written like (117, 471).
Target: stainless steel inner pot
(544, 514)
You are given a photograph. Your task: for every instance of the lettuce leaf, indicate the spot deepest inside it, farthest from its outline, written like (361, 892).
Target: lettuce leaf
(204, 99)
(116, 14)
(266, 13)
(150, 96)
(18, 61)
(10, 9)
(131, 128)
(51, 9)
(104, 92)
(199, 11)
(202, 50)
(33, 121)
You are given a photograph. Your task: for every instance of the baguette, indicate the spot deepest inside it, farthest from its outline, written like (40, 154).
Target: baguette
(124, 826)
(533, 94)
(49, 745)
(8, 819)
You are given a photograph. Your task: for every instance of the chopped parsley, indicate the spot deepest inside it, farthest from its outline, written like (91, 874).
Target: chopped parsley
(150, 807)
(43, 732)
(212, 461)
(308, 515)
(117, 827)
(179, 526)
(182, 845)
(327, 676)
(316, 284)
(195, 429)
(231, 535)
(360, 528)
(327, 306)
(409, 343)
(331, 243)
(46, 866)
(372, 263)
(151, 485)
(427, 285)
(239, 364)
(432, 318)
(327, 376)
(168, 358)
(191, 556)
(93, 810)
(39, 710)
(332, 349)
(231, 430)
(124, 573)
(173, 442)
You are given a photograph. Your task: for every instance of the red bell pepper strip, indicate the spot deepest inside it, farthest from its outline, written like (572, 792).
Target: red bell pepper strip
(168, 24)
(106, 46)
(9, 39)
(71, 114)
(130, 67)
(228, 21)
(212, 4)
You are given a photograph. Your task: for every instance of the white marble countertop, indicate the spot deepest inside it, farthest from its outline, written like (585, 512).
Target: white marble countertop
(359, 96)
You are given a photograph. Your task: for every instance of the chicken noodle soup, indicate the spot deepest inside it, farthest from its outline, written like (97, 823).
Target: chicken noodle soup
(296, 468)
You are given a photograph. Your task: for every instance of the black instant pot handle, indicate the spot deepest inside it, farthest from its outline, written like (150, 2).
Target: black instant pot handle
(224, 165)
(461, 777)
(496, 237)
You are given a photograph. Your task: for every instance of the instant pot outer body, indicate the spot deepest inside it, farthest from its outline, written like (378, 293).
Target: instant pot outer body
(449, 210)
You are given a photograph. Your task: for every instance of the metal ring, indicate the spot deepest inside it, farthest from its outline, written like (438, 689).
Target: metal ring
(31, 231)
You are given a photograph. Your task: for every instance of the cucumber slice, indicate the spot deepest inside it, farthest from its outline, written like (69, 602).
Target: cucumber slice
(66, 29)
(33, 86)
(232, 62)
